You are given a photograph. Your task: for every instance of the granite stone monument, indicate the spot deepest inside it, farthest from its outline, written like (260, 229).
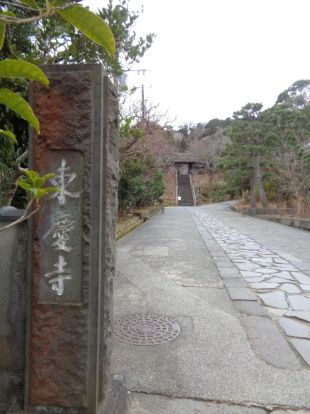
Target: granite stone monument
(72, 245)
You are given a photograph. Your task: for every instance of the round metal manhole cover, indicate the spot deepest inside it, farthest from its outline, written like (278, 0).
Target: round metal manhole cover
(145, 329)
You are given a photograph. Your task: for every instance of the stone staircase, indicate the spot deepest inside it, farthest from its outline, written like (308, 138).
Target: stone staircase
(185, 190)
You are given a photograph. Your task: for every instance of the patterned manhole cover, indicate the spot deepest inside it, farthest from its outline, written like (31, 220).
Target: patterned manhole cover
(145, 329)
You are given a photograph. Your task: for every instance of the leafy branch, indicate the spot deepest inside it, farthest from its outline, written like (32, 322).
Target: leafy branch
(90, 25)
(34, 185)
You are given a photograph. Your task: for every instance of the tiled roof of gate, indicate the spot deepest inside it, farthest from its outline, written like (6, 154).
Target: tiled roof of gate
(186, 157)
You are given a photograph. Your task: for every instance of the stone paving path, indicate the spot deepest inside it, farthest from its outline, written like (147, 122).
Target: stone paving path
(231, 355)
(252, 272)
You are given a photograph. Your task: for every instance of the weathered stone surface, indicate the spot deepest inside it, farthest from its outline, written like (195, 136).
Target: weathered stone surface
(289, 411)
(264, 286)
(301, 278)
(295, 328)
(266, 270)
(11, 391)
(284, 275)
(13, 252)
(305, 316)
(277, 280)
(117, 397)
(77, 114)
(246, 266)
(268, 343)
(153, 251)
(255, 279)
(300, 302)
(9, 213)
(279, 260)
(249, 274)
(235, 282)
(228, 272)
(157, 404)
(241, 294)
(285, 267)
(60, 232)
(12, 298)
(274, 299)
(303, 347)
(263, 261)
(290, 288)
(223, 263)
(250, 308)
(278, 283)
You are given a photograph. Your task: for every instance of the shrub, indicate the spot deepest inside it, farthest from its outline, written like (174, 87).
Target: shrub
(141, 182)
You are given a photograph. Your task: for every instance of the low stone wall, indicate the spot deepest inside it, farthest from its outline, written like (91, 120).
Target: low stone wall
(148, 212)
(282, 216)
(128, 223)
(264, 211)
(289, 221)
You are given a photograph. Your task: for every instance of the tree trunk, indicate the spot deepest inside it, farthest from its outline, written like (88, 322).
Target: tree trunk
(259, 183)
(253, 191)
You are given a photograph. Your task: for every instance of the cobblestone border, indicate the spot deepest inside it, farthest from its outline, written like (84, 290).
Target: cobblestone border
(278, 331)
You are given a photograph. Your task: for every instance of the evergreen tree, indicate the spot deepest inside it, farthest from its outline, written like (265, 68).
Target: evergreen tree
(248, 153)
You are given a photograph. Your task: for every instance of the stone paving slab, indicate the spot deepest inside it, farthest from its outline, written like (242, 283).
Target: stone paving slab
(299, 302)
(223, 263)
(294, 328)
(274, 299)
(241, 294)
(305, 316)
(303, 347)
(290, 288)
(264, 286)
(235, 282)
(301, 277)
(250, 308)
(228, 272)
(269, 344)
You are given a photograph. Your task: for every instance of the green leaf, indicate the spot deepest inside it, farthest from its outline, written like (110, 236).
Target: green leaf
(48, 176)
(32, 183)
(58, 3)
(30, 3)
(39, 181)
(91, 25)
(51, 189)
(23, 184)
(35, 179)
(10, 135)
(30, 174)
(7, 13)
(2, 34)
(19, 106)
(39, 192)
(14, 68)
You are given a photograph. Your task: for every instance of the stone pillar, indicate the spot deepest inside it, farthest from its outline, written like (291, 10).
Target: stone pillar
(72, 267)
(13, 253)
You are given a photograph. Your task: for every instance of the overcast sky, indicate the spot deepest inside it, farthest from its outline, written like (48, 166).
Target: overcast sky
(211, 57)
